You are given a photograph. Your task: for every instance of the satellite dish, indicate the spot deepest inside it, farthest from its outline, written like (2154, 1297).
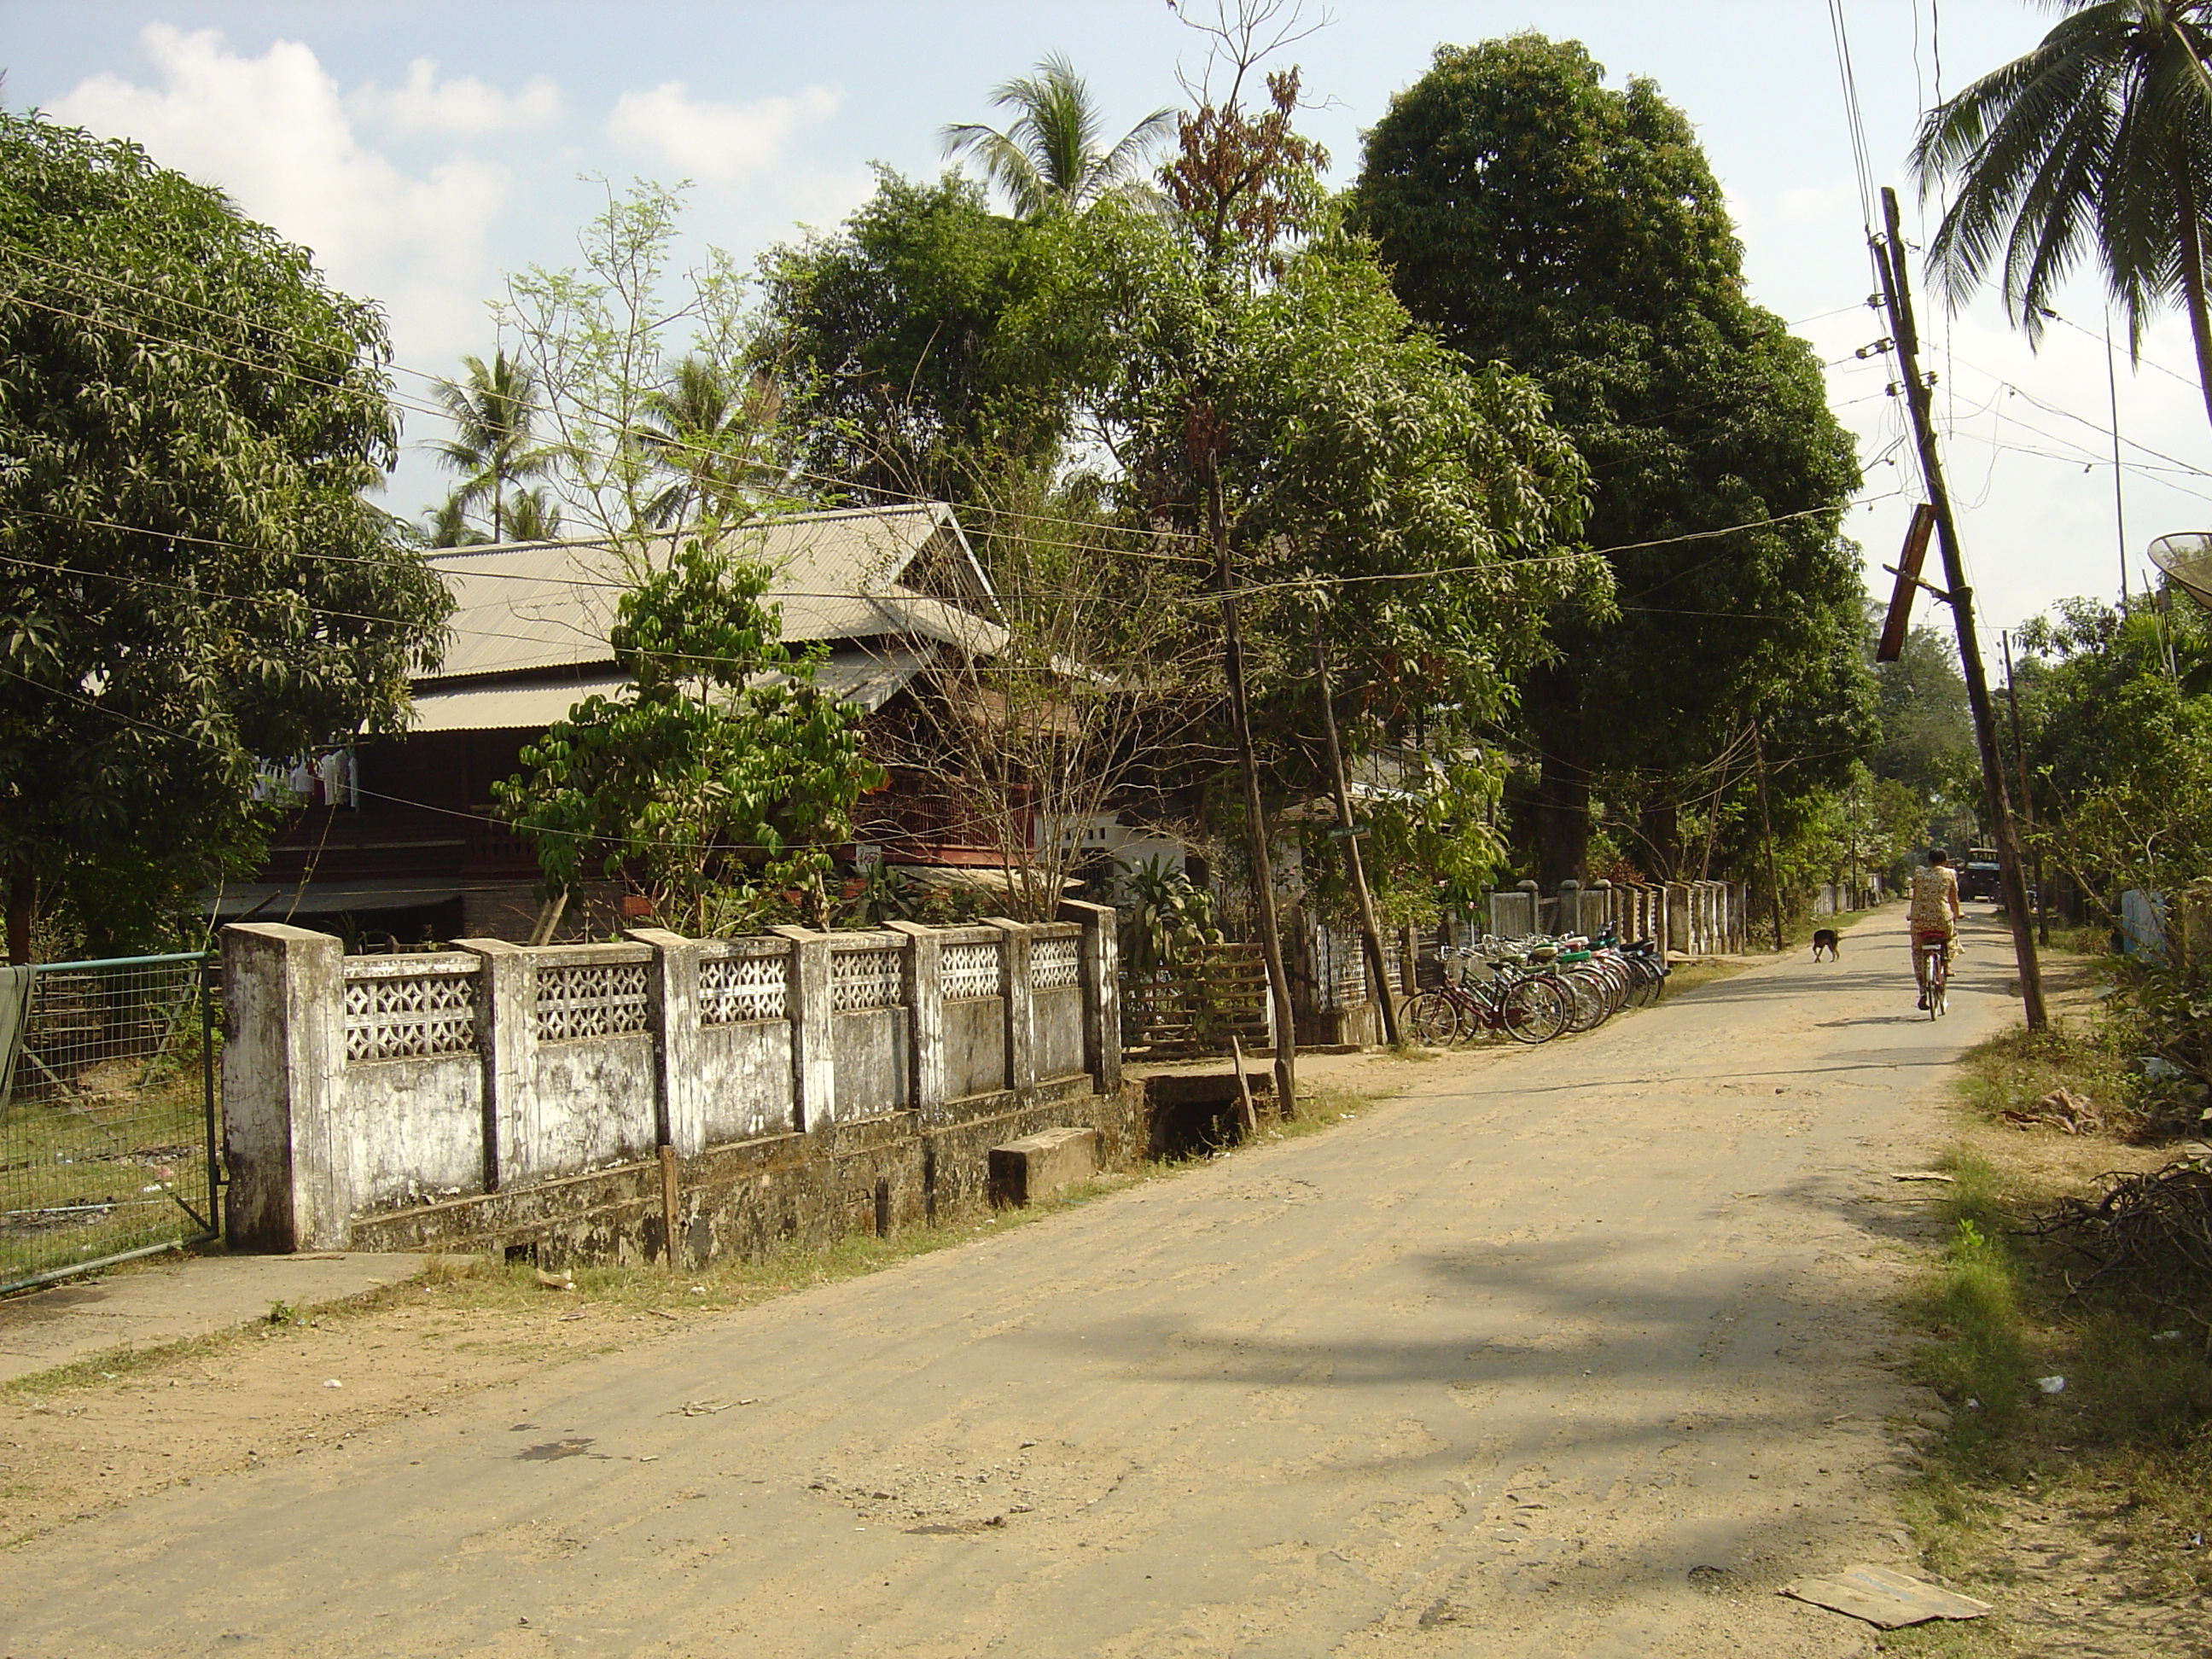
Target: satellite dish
(2186, 559)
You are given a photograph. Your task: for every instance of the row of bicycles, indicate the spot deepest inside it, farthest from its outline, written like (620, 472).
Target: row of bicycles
(1534, 989)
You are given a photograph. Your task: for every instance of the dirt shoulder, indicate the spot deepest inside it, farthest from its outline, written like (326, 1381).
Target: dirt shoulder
(2082, 1513)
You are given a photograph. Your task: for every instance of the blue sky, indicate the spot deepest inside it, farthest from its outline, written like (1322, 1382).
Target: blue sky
(423, 149)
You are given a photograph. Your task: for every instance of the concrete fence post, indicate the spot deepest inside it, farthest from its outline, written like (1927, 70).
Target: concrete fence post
(284, 1056)
(507, 1036)
(1570, 907)
(813, 1031)
(1101, 953)
(671, 981)
(925, 985)
(1021, 1004)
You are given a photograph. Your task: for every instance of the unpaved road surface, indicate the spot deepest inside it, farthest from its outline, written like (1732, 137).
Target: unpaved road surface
(1579, 1353)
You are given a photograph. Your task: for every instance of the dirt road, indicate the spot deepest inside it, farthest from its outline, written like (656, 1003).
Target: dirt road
(1580, 1353)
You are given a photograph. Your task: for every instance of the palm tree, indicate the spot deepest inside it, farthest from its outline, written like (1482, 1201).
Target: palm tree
(494, 411)
(2098, 141)
(712, 439)
(449, 526)
(1048, 161)
(532, 515)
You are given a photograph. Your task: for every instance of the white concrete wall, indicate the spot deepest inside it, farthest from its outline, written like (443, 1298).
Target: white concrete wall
(357, 1084)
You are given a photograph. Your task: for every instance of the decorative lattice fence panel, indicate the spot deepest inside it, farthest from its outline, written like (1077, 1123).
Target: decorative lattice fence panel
(864, 979)
(972, 971)
(590, 999)
(419, 1014)
(734, 989)
(1055, 964)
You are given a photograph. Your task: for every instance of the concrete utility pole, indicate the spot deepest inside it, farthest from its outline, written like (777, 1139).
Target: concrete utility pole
(1897, 295)
(1370, 935)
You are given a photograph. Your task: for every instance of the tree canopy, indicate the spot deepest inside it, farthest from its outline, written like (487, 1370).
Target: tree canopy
(930, 340)
(1535, 217)
(190, 577)
(717, 781)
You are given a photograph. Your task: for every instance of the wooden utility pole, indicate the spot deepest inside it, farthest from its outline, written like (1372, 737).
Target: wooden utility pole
(1256, 819)
(1897, 294)
(1370, 935)
(1766, 830)
(2026, 798)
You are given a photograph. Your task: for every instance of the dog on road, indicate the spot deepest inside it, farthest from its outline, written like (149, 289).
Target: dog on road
(1826, 939)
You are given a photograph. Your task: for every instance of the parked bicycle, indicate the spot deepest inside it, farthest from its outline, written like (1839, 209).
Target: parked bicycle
(1514, 1002)
(1537, 989)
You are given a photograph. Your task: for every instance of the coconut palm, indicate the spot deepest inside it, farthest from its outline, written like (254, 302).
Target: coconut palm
(2098, 142)
(448, 526)
(532, 515)
(494, 409)
(1049, 159)
(712, 437)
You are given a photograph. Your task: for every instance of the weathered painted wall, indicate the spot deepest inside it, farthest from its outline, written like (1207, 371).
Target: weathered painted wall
(486, 1082)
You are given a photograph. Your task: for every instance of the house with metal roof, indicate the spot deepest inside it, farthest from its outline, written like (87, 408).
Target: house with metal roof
(397, 837)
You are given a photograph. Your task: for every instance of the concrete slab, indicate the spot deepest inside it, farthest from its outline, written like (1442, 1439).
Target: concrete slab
(1042, 1165)
(168, 1301)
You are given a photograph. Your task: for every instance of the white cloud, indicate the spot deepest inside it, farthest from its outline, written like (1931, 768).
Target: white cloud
(273, 133)
(723, 142)
(463, 106)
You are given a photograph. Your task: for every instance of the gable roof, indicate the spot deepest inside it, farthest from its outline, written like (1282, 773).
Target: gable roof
(892, 574)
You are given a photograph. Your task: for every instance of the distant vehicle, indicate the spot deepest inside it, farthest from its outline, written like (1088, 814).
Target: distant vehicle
(1979, 877)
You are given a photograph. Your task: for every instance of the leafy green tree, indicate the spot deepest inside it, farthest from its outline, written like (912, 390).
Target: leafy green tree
(189, 576)
(711, 432)
(494, 411)
(930, 344)
(1927, 730)
(1534, 217)
(2116, 706)
(605, 341)
(2098, 142)
(1049, 159)
(716, 784)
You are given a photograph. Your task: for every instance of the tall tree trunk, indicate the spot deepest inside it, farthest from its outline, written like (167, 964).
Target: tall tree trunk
(1348, 831)
(2192, 272)
(1659, 821)
(22, 909)
(1256, 832)
(1563, 825)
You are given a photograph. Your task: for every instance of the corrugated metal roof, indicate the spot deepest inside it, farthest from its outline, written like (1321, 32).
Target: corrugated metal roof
(538, 606)
(869, 678)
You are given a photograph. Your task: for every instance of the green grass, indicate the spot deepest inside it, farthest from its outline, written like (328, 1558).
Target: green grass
(2012, 1071)
(96, 1155)
(2129, 1436)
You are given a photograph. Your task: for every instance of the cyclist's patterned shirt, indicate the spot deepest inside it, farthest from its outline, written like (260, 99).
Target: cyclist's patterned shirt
(1934, 886)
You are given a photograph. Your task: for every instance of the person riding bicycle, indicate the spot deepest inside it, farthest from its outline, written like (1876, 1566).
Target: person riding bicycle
(1932, 911)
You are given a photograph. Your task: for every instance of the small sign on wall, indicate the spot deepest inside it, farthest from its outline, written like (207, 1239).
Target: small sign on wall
(867, 855)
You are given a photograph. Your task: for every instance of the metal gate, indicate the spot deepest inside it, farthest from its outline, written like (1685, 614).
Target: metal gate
(108, 1104)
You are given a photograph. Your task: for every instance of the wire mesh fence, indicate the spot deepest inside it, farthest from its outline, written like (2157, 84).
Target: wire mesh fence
(107, 1109)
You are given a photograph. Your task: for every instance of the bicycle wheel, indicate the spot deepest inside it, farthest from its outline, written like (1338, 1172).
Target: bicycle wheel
(1430, 1019)
(1939, 979)
(1649, 981)
(1532, 1011)
(1587, 1008)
